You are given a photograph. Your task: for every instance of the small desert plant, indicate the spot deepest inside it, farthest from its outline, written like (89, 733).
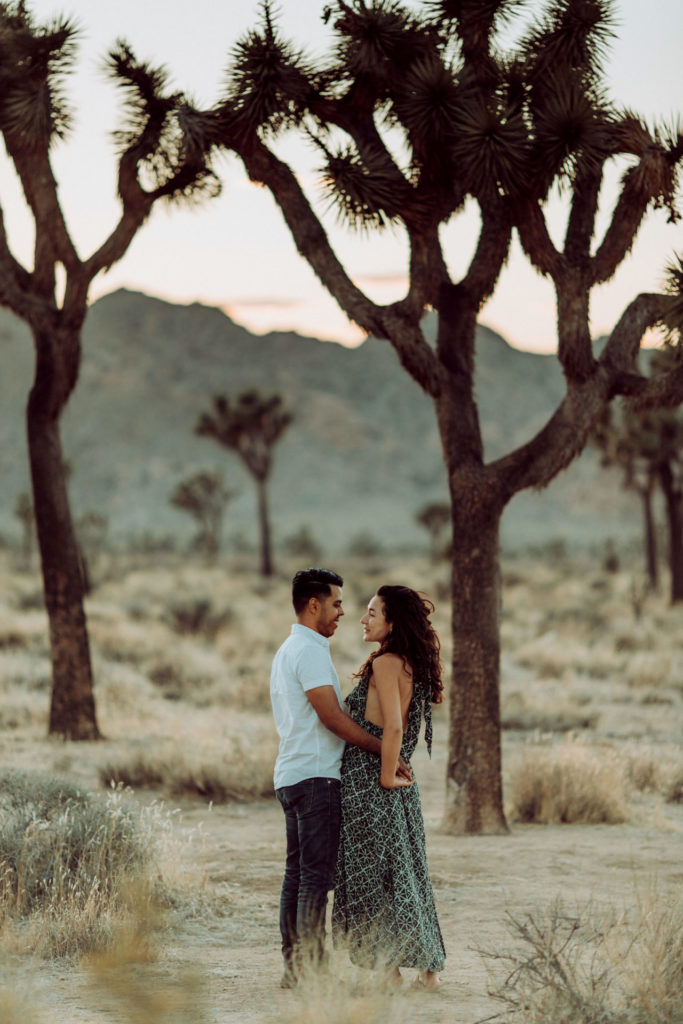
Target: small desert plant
(595, 965)
(242, 776)
(303, 545)
(197, 616)
(66, 861)
(364, 545)
(518, 713)
(567, 784)
(674, 791)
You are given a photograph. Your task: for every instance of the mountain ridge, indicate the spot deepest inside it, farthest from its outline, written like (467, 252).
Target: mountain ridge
(362, 456)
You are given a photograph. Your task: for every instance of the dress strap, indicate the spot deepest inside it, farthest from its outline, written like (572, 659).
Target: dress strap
(427, 712)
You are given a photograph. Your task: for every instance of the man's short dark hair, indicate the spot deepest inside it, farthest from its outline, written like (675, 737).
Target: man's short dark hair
(310, 583)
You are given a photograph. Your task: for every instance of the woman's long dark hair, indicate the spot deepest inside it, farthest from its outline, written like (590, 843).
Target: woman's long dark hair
(412, 637)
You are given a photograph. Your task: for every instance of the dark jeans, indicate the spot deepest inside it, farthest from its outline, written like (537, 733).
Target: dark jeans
(312, 815)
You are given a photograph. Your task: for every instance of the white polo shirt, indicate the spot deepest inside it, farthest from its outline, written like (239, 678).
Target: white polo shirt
(307, 749)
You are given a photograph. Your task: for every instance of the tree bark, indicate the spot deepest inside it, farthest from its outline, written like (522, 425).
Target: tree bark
(474, 799)
(674, 514)
(72, 711)
(264, 527)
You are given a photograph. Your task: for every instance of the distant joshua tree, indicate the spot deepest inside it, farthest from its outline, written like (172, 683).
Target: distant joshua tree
(250, 425)
(436, 518)
(205, 497)
(648, 447)
(158, 160)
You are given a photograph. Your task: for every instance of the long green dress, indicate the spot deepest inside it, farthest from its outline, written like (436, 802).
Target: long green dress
(383, 901)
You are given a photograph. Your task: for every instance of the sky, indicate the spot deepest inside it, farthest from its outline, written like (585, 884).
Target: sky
(236, 253)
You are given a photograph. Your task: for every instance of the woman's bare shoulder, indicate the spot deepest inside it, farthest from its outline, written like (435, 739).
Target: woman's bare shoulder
(391, 664)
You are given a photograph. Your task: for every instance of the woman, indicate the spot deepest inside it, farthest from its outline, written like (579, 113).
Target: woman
(383, 901)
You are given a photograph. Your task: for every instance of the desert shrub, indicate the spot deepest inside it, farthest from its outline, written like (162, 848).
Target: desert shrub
(517, 713)
(197, 616)
(674, 791)
(553, 654)
(244, 775)
(66, 859)
(567, 784)
(303, 545)
(646, 769)
(594, 965)
(364, 545)
(653, 668)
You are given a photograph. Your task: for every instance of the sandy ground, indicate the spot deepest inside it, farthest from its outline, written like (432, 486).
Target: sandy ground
(239, 849)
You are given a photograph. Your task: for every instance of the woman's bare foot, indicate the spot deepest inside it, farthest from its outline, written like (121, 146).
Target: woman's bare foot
(393, 978)
(428, 979)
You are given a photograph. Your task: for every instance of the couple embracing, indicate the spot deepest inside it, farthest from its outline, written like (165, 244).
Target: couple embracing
(352, 807)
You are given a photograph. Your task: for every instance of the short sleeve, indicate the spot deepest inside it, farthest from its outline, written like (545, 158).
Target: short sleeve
(313, 668)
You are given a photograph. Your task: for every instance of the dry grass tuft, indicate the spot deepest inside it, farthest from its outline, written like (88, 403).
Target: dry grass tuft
(125, 981)
(342, 995)
(66, 862)
(595, 965)
(545, 716)
(567, 784)
(246, 774)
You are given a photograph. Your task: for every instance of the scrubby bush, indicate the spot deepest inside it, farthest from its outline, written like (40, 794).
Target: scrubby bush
(674, 791)
(562, 716)
(244, 775)
(197, 616)
(595, 965)
(67, 861)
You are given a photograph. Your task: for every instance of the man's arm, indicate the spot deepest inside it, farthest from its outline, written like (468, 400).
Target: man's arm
(334, 718)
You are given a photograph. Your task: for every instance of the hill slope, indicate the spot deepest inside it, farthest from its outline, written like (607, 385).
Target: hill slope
(362, 455)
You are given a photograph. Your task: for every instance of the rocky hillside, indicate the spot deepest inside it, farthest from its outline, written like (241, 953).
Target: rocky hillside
(361, 457)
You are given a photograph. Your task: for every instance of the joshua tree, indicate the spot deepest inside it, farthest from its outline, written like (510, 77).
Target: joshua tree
(205, 497)
(413, 114)
(615, 436)
(436, 518)
(648, 447)
(250, 425)
(157, 160)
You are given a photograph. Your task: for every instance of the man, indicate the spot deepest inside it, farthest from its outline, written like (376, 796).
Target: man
(313, 727)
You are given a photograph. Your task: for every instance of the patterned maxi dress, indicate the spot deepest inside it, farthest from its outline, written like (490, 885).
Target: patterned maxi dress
(383, 901)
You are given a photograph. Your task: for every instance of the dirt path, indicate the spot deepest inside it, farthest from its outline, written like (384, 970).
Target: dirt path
(239, 857)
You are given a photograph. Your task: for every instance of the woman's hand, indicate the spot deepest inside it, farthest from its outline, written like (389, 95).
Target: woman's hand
(397, 782)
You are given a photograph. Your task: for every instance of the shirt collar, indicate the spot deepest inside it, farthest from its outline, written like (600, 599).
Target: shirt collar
(299, 630)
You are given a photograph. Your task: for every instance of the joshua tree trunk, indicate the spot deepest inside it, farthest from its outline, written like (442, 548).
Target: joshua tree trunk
(72, 711)
(473, 779)
(674, 517)
(264, 525)
(650, 538)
